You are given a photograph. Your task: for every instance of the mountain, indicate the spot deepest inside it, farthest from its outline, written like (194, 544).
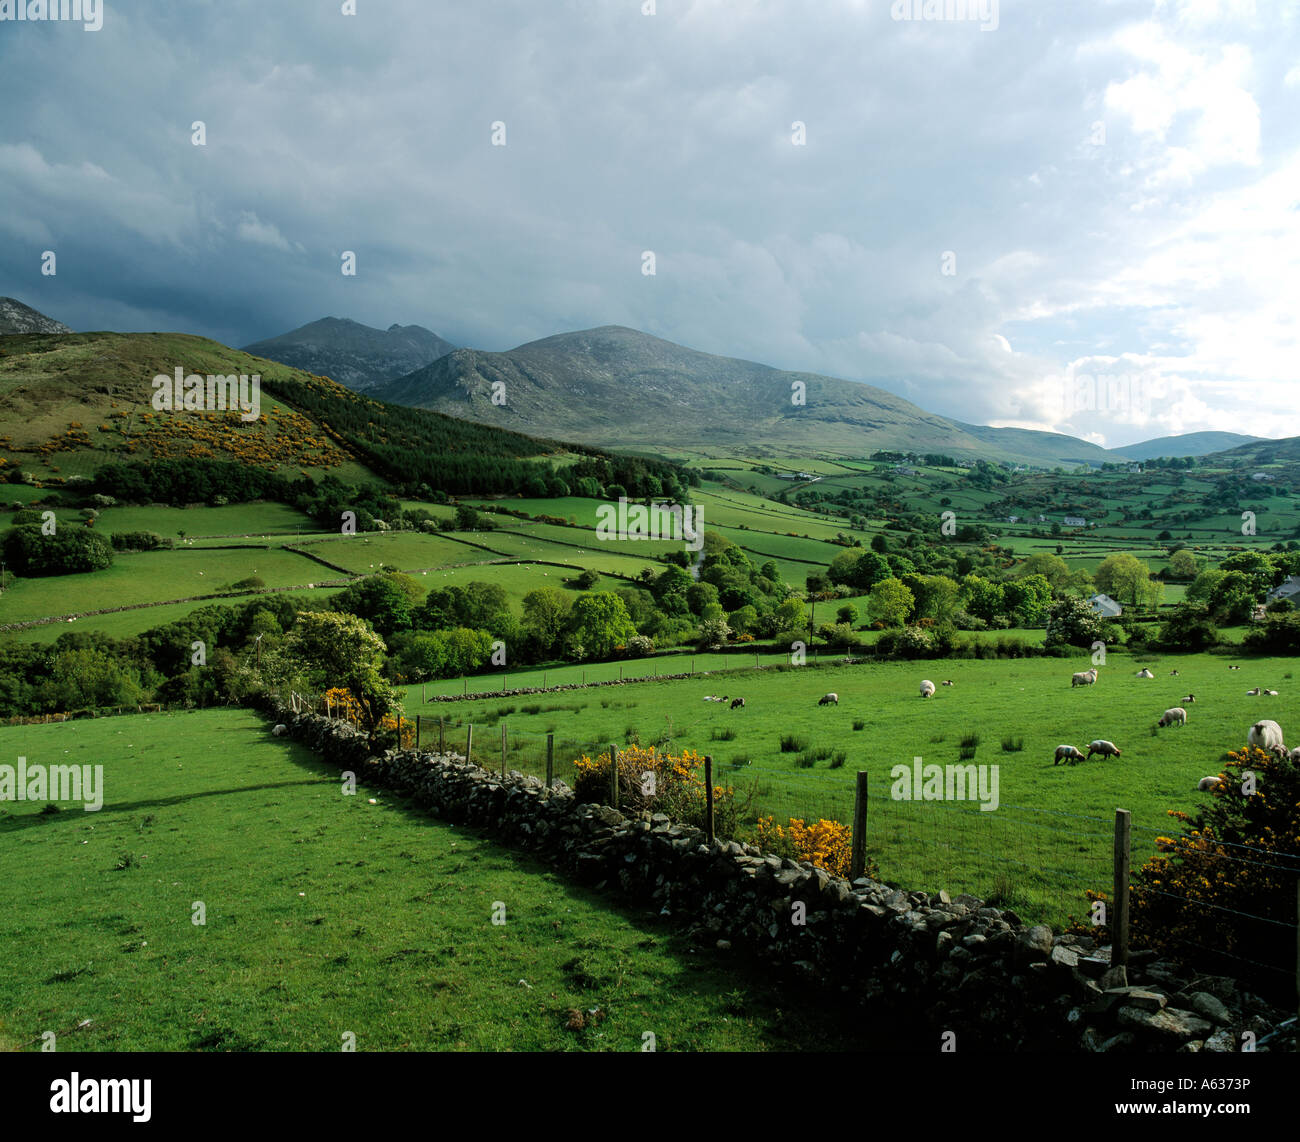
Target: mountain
(616, 386)
(1189, 444)
(15, 317)
(353, 354)
(71, 404)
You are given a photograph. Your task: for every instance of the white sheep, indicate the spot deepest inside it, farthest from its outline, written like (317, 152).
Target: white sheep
(1207, 783)
(280, 730)
(1267, 735)
(1105, 748)
(1175, 716)
(1272, 693)
(1067, 753)
(1254, 692)
(1084, 678)
(927, 688)
(1145, 673)
(829, 700)
(1187, 698)
(1294, 755)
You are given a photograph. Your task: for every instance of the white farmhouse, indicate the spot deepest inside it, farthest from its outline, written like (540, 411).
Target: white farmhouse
(1289, 588)
(1075, 521)
(1105, 606)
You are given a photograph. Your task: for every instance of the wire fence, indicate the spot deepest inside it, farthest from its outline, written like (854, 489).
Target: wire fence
(1042, 863)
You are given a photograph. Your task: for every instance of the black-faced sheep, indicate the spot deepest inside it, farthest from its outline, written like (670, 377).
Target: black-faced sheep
(1187, 698)
(829, 700)
(1105, 748)
(946, 682)
(1145, 673)
(1175, 716)
(1267, 735)
(737, 703)
(1067, 753)
(1255, 692)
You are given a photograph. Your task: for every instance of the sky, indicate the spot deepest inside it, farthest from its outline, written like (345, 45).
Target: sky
(1079, 217)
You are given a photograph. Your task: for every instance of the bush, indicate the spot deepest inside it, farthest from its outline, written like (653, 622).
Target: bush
(1187, 900)
(677, 788)
(827, 844)
(69, 551)
(139, 541)
(792, 744)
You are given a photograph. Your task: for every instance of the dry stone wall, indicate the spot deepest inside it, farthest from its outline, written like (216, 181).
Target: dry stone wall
(943, 963)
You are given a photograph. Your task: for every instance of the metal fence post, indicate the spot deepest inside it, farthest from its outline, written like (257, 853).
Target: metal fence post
(550, 760)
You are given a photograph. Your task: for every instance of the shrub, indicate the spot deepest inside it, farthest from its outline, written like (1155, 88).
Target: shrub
(859, 723)
(139, 541)
(70, 550)
(1188, 899)
(827, 844)
(792, 744)
(678, 785)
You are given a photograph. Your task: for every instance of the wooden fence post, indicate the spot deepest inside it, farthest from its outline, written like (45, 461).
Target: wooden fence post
(469, 742)
(550, 760)
(613, 775)
(1119, 917)
(708, 796)
(441, 746)
(417, 731)
(503, 749)
(858, 856)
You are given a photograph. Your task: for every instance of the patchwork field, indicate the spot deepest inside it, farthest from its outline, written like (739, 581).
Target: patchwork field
(327, 914)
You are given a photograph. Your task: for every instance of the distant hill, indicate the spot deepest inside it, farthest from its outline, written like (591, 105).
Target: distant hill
(616, 386)
(73, 403)
(353, 354)
(1188, 444)
(15, 317)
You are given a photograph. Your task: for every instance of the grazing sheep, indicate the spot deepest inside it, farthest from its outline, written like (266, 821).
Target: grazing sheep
(829, 700)
(1187, 698)
(1105, 748)
(1067, 753)
(1234, 667)
(1294, 755)
(737, 703)
(1267, 735)
(1207, 783)
(1145, 673)
(280, 730)
(947, 682)
(927, 689)
(1175, 716)
(1084, 678)
(1254, 692)
(1173, 674)
(1272, 693)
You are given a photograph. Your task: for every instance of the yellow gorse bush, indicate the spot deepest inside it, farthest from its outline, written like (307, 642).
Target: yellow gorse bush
(826, 844)
(344, 705)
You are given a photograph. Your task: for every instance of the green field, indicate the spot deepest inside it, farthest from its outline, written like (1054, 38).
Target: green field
(1027, 851)
(326, 914)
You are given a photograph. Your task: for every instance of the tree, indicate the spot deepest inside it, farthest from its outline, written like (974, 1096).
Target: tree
(588, 579)
(890, 602)
(1051, 567)
(1028, 598)
(1072, 622)
(1203, 587)
(1122, 577)
(337, 650)
(1255, 566)
(546, 615)
(713, 633)
(791, 615)
(467, 519)
(1188, 628)
(599, 622)
(1182, 565)
(937, 596)
(981, 597)
(388, 600)
(847, 614)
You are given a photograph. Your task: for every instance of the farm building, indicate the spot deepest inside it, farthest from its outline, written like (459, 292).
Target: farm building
(1075, 521)
(1289, 588)
(1105, 606)
(1260, 476)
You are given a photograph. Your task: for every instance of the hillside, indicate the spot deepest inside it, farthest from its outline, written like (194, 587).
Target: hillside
(1188, 444)
(618, 387)
(15, 317)
(353, 354)
(69, 404)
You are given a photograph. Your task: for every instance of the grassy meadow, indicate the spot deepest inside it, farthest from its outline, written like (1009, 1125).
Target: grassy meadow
(327, 914)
